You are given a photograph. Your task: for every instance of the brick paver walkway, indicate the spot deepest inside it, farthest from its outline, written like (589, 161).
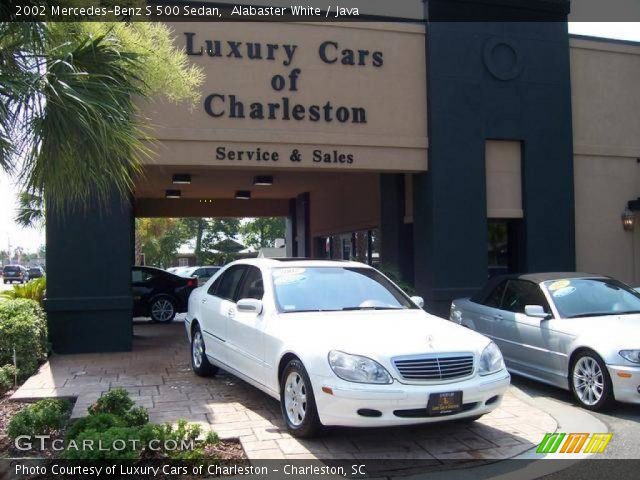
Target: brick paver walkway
(157, 373)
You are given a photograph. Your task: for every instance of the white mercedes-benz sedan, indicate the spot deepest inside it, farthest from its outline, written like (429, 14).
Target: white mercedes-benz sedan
(337, 343)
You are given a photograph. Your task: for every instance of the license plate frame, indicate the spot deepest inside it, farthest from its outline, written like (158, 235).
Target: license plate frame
(444, 403)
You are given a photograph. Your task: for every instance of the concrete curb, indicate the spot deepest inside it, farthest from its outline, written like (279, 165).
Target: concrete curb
(528, 465)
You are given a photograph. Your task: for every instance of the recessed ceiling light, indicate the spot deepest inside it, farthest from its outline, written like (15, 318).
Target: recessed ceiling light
(263, 180)
(243, 195)
(181, 178)
(173, 194)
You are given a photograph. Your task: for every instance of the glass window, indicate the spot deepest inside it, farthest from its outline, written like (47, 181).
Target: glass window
(253, 286)
(335, 288)
(590, 297)
(495, 299)
(227, 286)
(141, 275)
(520, 293)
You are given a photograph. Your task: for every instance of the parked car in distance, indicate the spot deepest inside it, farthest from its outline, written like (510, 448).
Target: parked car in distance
(36, 272)
(15, 273)
(337, 343)
(576, 331)
(173, 269)
(159, 294)
(201, 273)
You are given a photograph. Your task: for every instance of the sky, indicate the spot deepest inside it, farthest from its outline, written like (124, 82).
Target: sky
(13, 236)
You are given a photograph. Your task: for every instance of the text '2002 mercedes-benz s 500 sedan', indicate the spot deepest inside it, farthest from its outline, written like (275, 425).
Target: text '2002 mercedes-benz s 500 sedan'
(339, 344)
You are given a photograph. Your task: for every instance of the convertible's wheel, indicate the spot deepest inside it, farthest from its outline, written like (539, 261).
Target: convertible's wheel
(199, 361)
(297, 401)
(590, 382)
(163, 310)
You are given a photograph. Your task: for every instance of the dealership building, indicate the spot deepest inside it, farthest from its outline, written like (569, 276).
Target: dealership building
(443, 152)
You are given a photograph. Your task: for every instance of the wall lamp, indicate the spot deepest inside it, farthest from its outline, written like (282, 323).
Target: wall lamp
(628, 220)
(243, 195)
(181, 179)
(173, 194)
(263, 180)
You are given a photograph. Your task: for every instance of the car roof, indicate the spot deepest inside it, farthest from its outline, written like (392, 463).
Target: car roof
(298, 262)
(538, 278)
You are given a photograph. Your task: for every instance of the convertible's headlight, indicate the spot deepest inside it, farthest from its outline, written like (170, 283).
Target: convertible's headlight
(354, 368)
(631, 355)
(491, 360)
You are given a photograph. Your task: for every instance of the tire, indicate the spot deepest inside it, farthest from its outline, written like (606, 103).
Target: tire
(590, 382)
(162, 309)
(199, 362)
(297, 401)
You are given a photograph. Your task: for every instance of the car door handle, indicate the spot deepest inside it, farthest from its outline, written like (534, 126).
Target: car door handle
(204, 300)
(499, 318)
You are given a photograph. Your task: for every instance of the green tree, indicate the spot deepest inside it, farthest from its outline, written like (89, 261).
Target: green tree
(160, 239)
(30, 211)
(69, 94)
(262, 232)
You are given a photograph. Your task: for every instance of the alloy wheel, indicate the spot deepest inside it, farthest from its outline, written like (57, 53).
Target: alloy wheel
(162, 310)
(588, 380)
(295, 398)
(197, 350)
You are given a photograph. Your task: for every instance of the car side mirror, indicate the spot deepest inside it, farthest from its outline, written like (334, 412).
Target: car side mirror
(535, 311)
(419, 301)
(249, 305)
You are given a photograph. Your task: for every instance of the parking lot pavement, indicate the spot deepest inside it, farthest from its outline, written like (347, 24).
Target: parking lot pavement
(623, 420)
(157, 373)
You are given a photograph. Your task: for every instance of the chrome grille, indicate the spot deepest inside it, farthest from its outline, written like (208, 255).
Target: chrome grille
(440, 367)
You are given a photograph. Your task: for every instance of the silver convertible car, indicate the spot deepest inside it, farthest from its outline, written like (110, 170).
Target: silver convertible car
(577, 331)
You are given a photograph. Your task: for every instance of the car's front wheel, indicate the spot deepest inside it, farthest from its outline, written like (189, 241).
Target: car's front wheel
(297, 401)
(590, 382)
(163, 309)
(199, 361)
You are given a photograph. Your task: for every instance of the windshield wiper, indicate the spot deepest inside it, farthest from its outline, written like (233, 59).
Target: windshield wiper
(596, 314)
(346, 309)
(630, 312)
(310, 310)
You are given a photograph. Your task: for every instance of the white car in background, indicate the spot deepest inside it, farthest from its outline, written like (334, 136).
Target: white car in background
(337, 343)
(577, 331)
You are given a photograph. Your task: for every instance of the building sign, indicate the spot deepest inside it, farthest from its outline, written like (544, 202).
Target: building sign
(287, 95)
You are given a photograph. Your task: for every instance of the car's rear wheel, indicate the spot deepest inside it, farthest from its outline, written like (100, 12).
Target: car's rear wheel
(297, 401)
(199, 361)
(163, 310)
(590, 382)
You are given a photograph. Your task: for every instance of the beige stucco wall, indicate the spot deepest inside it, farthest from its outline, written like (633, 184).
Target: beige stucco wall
(503, 171)
(606, 125)
(394, 137)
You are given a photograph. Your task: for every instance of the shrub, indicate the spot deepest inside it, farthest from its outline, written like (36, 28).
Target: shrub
(23, 327)
(33, 290)
(98, 422)
(40, 418)
(7, 378)
(136, 417)
(115, 401)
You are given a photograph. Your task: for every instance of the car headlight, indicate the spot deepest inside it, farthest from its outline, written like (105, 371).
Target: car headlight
(491, 360)
(631, 355)
(354, 368)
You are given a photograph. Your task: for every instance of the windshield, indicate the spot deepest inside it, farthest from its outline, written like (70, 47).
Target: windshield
(321, 289)
(588, 297)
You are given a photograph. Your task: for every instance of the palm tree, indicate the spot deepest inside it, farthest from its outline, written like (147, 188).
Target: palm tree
(70, 129)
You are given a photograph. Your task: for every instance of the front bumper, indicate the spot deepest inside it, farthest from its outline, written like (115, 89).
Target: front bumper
(402, 404)
(626, 382)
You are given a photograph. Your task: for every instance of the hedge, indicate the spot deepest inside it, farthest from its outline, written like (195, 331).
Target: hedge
(23, 327)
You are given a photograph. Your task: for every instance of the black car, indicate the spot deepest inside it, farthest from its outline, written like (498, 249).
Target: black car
(159, 294)
(36, 272)
(15, 273)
